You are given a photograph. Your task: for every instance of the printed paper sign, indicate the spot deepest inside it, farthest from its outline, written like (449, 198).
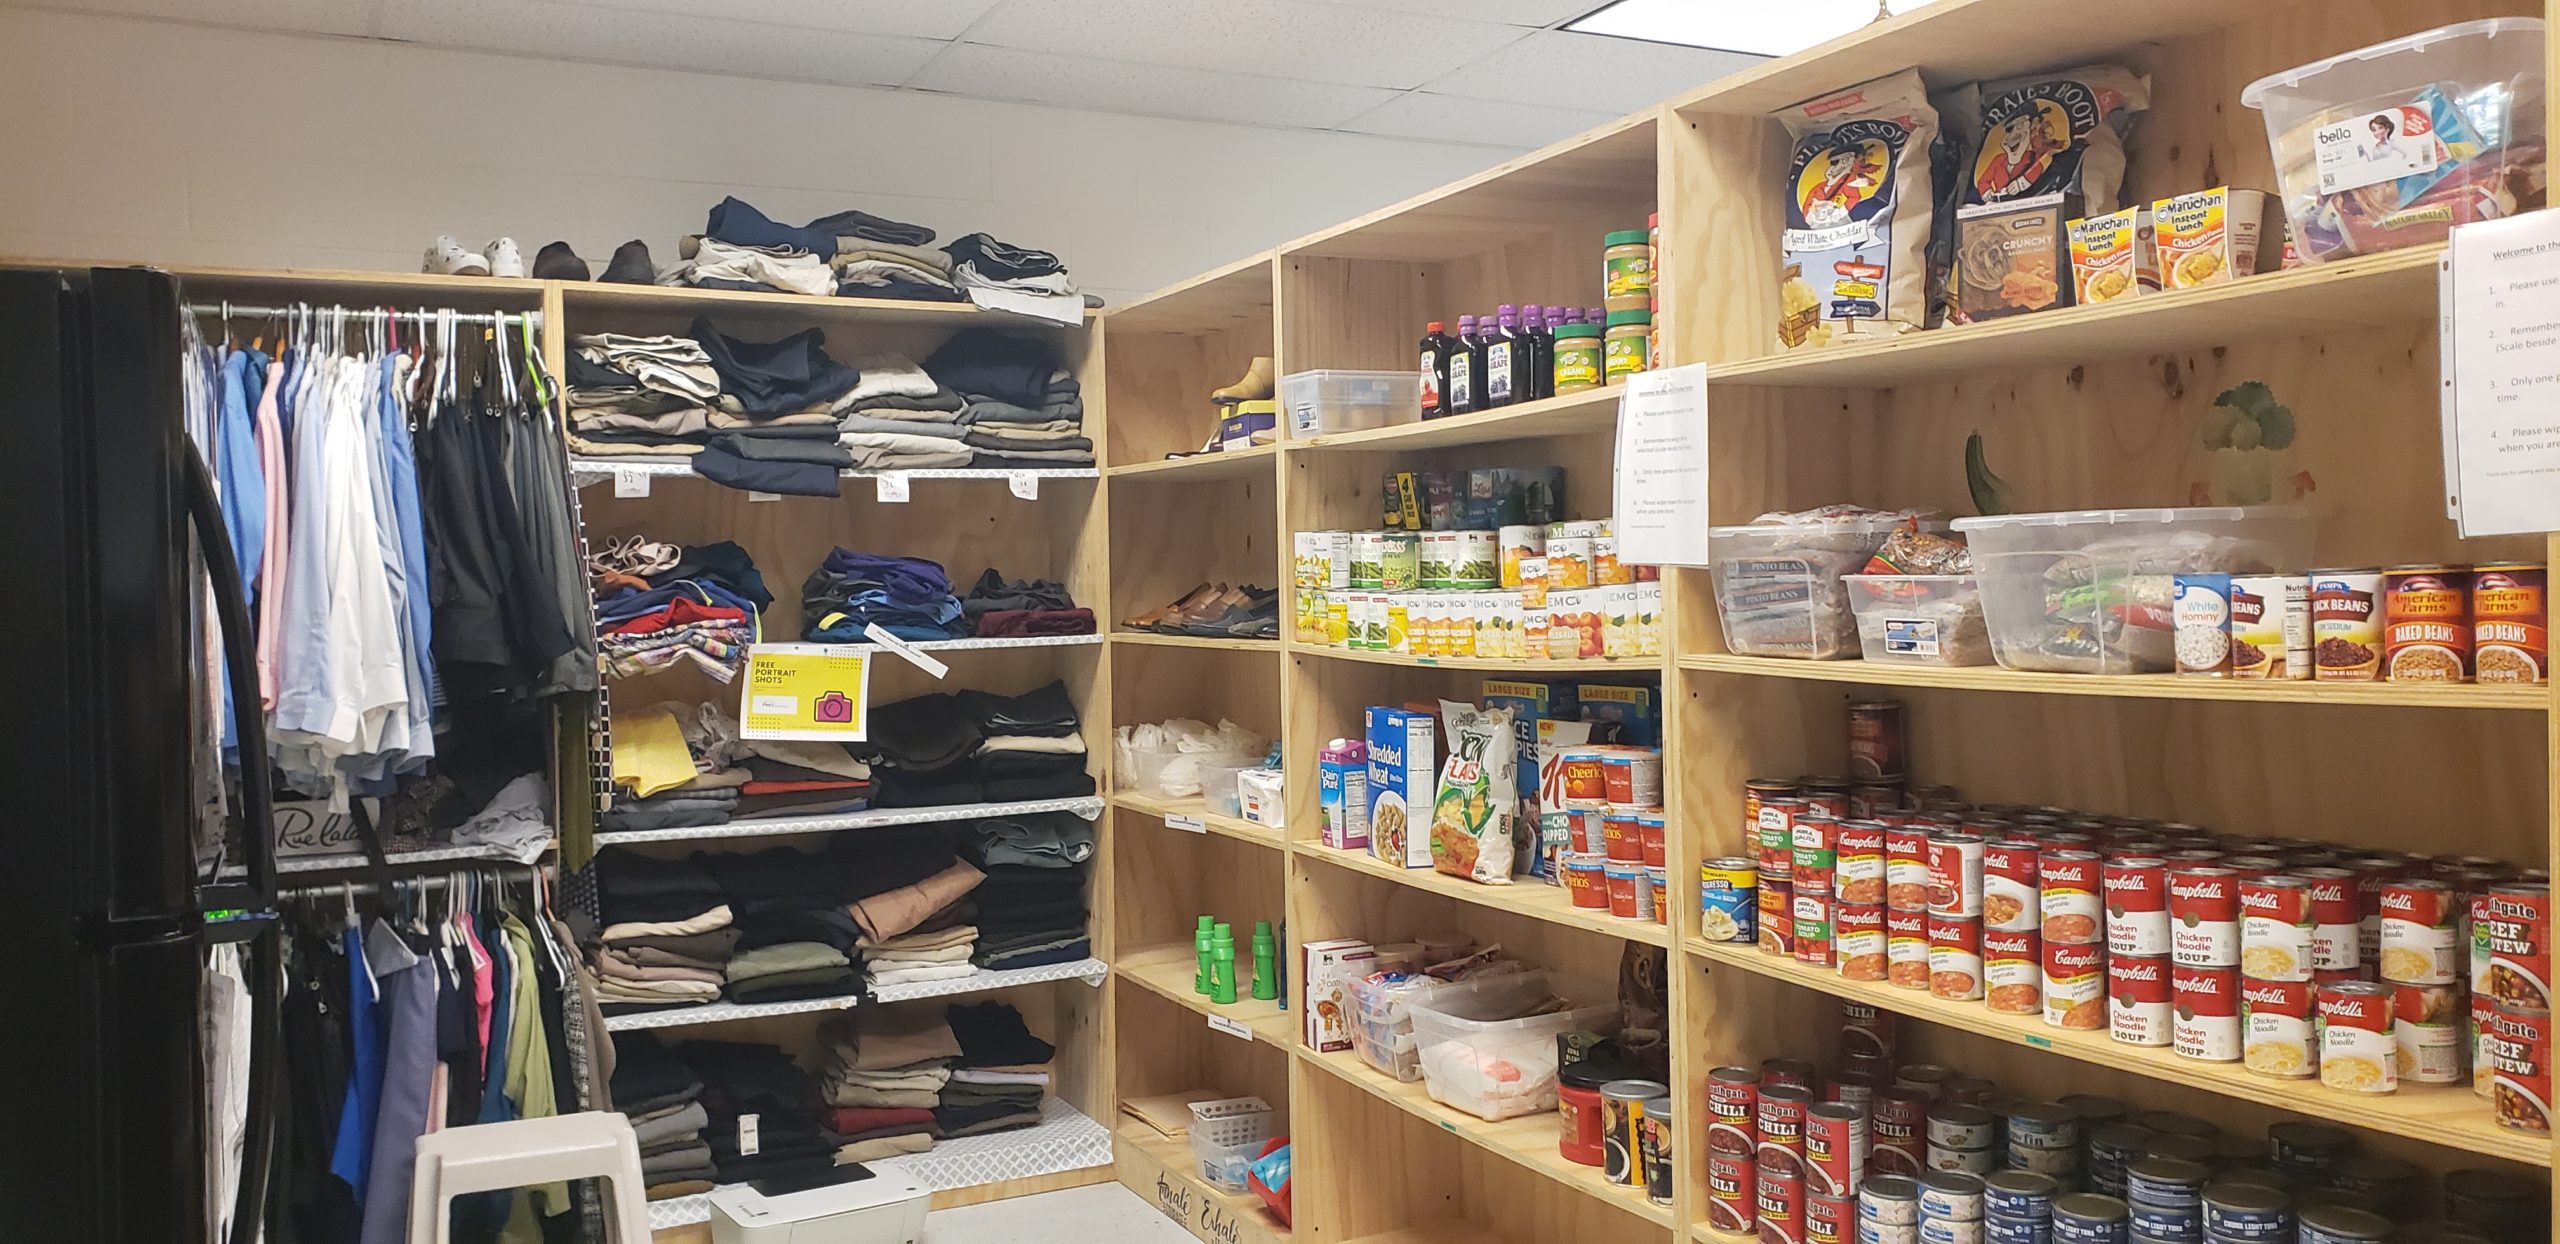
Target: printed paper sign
(900, 648)
(890, 487)
(1188, 824)
(2500, 314)
(806, 691)
(1220, 1023)
(629, 482)
(1662, 468)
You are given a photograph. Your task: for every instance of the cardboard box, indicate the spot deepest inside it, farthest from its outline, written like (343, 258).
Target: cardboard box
(1261, 793)
(1331, 966)
(1342, 794)
(1532, 705)
(2210, 236)
(1404, 780)
(2014, 257)
(1254, 423)
(2114, 256)
(1636, 711)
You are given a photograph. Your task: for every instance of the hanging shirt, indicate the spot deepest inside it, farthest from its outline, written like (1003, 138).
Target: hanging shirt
(274, 557)
(240, 479)
(351, 1158)
(306, 663)
(400, 465)
(529, 1083)
(408, 1084)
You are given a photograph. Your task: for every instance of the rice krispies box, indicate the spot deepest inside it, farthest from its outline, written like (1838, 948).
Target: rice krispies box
(1404, 781)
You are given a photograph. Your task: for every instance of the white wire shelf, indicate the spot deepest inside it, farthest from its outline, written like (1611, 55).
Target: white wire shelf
(1090, 971)
(1090, 808)
(597, 470)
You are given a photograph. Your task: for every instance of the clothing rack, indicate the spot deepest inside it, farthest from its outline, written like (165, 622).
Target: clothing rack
(226, 310)
(424, 881)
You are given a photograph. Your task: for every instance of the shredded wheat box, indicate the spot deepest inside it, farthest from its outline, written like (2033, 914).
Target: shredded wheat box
(1404, 781)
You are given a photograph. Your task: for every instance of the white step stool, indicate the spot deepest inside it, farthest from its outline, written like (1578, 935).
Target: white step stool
(491, 1157)
(841, 1206)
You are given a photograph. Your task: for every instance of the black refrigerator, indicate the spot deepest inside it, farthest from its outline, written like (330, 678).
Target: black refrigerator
(102, 500)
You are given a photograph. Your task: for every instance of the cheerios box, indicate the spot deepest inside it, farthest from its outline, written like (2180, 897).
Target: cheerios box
(1404, 780)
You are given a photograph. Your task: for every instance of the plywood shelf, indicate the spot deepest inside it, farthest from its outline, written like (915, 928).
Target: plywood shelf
(1167, 971)
(1529, 1141)
(1527, 897)
(1198, 810)
(1225, 465)
(1201, 643)
(1522, 665)
(1214, 301)
(600, 300)
(2132, 686)
(1163, 1171)
(2447, 1115)
(1614, 161)
(1571, 414)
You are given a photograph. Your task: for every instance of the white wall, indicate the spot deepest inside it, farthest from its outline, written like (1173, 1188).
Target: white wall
(173, 143)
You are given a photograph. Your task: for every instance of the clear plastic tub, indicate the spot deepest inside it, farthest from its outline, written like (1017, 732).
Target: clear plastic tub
(1142, 769)
(1218, 784)
(1382, 1027)
(1320, 402)
(1920, 619)
(1478, 1058)
(2088, 591)
(1778, 585)
(1226, 1136)
(2395, 144)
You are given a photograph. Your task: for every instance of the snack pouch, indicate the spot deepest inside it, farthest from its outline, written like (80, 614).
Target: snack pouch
(1854, 256)
(1479, 791)
(2056, 133)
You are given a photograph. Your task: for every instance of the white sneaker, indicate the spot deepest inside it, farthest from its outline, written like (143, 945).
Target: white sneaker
(505, 259)
(447, 258)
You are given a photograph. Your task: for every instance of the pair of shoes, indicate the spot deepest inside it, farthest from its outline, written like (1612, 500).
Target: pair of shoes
(448, 258)
(630, 265)
(1215, 611)
(1253, 387)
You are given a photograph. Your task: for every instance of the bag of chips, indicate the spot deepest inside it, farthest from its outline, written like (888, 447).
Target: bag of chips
(1479, 792)
(2057, 133)
(1854, 257)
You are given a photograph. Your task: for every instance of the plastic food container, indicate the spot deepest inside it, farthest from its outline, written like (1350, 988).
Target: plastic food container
(2088, 591)
(1920, 619)
(1779, 586)
(1218, 783)
(2395, 144)
(1320, 402)
(1477, 1057)
(1382, 1027)
(1226, 1136)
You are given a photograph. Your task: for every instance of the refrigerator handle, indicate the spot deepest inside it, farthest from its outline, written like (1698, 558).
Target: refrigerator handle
(257, 806)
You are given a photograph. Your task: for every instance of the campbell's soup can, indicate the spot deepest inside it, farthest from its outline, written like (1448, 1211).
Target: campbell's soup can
(2356, 1051)
(2137, 905)
(2372, 873)
(2518, 1042)
(1906, 867)
(1955, 873)
(1906, 948)
(2336, 918)
(2204, 917)
(1812, 915)
(1732, 1192)
(2012, 972)
(2075, 985)
(2427, 1033)
(1866, 1031)
(1780, 1143)
(1779, 1200)
(1897, 1122)
(2278, 1021)
(2141, 999)
(1955, 957)
(1858, 868)
(2513, 920)
(1858, 941)
(2009, 886)
(2275, 928)
(1835, 1148)
(2481, 1012)
(2071, 880)
(2419, 934)
(2205, 1023)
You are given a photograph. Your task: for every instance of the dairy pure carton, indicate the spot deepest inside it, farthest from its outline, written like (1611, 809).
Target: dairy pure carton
(1404, 781)
(1332, 965)
(1342, 794)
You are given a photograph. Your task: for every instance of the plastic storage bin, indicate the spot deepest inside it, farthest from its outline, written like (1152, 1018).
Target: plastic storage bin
(2395, 144)
(2088, 591)
(1476, 1057)
(1226, 1136)
(1218, 783)
(1319, 402)
(1779, 589)
(1382, 1026)
(1920, 619)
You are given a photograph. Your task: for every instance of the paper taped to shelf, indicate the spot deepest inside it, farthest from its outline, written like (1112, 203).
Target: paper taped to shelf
(2500, 321)
(806, 691)
(1662, 468)
(899, 648)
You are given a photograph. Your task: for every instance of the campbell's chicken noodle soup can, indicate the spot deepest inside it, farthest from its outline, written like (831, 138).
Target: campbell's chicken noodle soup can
(2205, 1012)
(1906, 867)
(1858, 944)
(2420, 934)
(2481, 1011)
(2071, 881)
(1835, 1148)
(1779, 1143)
(1866, 1031)
(1858, 862)
(1733, 1110)
(2427, 1039)
(2009, 885)
(2204, 917)
(2336, 919)
(2513, 920)
(1779, 1201)
(1777, 903)
(2275, 928)
(2278, 1023)
(2356, 1050)
(1955, 873)
(2075, 986)
(2426, 624)
(2249, 866)
(1955, 957)
(1813, 929)
(2012, 972)
(2137, 904)
(1897, 1132)
(1906, 948)
(1732, 1193)
(2518, 1042)
(2510, 623)
(1878, 744)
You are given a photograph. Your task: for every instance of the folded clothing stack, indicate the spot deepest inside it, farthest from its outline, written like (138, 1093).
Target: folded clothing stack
(773, 424)
(925, 954)
(997, 607)
(794, 933)
(1000, 1075)
(1021, 410)
(661, 1096)
(668, 933)
(660, 604)
(884, 1074)
(646, 396)
(865, 268)
(1051, 840)
(899, 418)
(741, 1079)
(998, 273)
(908, 597)
(741, 248)
(902, 881)
(927, 750)
(678, 775)
(1030, 915)
(800, 778)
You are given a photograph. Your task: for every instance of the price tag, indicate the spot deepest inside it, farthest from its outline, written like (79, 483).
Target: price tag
(900, 648)
(1024, 484)
(753, 495)
(891, 487)
(1220, 1023)
(630, 482)
(1188, 824)
(750, 1135)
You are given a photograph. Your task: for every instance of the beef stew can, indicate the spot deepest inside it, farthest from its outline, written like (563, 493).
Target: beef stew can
(2278, 1021)
(2071, 880)
(2356, 1052)
(1733, 1105)
(2426, 624)
(1858, 942)
(2275, 928)
(2518, 1042)
(2141, 999)
(2204, 917)
(2012, 972)
(2137, 905)
(1906, 948)
(2075, 986)
(2513, 919)
(1906, 867)
(2510, 623)
(2205, 1023)
(1955, 873)
(2336, 918)
(1955, 957)
(2010, 893)
(1732, 1193)
(2427, 1033)
(2419, 933)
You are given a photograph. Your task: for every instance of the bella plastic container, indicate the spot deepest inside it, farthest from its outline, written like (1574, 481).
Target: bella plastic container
(1780, 588)
(2462, 103)
(1919, 619)
(1479, 1059)
(1324, 402)
(2088, 591)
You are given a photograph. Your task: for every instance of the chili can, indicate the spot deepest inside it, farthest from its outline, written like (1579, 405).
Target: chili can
(1777, 902)
(1955, 957)
(2426, 1033)
(1906, 867)
(1780, 1143)
(1732, 1192)
(1858, 865)
(1828, 1219)
(2137, 905)
(1878, 744)
(1813, 928)
(2418, 933)
(2275, 928)
(2514, 920)
(2356, 1053)
(1906, 948)
(1866, 1030)
(2426, 624)
(2519, 1046)
(2009, 884)
(1733, 1103)
(2336, 918)
(2204, 917)
(1792, 1072)
(1896, 1122)
(2012, 972)
(2140, 999)
(2510, 623)
(1779, 1200)
(1729, 899)
(2075, 985)
(1858, 941)
(1955, 873)
(2206, 1023)
(1835, 1148)
(2277, 1021)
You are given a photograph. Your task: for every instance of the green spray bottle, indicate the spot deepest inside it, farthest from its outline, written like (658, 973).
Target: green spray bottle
(1266, 974)
(1222, 965)
(1200, 944)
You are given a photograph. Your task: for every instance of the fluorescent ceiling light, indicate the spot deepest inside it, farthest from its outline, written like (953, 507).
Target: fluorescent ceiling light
(1760, 27)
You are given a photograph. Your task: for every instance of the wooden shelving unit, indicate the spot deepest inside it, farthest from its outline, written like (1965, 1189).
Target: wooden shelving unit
(2131, 686)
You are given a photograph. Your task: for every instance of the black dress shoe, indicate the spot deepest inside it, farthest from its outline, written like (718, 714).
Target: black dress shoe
(556, 262)
(631, 265)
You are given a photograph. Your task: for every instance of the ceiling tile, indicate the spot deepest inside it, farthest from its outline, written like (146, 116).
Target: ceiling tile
(1492, 122)
(580, 32)
(1354, 45)
(1511, 12)
(1148, 90)
(938, 19)
(327, 17)
(1565, 70)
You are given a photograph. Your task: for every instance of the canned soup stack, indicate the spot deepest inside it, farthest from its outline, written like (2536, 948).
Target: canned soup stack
(2369, 971)
(1882, 1153)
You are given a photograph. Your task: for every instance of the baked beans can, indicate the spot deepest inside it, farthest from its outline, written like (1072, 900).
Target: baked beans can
(1835, 1148)
(1955, 873)
(2336, 918)
(1858, 943)
(2278, 1019)
(2075, 986)
(2009, 884)
(1729, 899)
(2426, 624)
(1779, 1200)
(2513, 920)
(2418, 933)
(2346, 625)
(2275, 928)
(1777, 901)
(1878, 746)
(2141, 999)
(2356, 1052)
(2070, 881)
(2204, 917)
(1906, 867)
(1866, 1031)
(2012, 972)
(1828, 1219)
(1779, 1144)
(1732, 1192)
(1813, 929)
(2427, 1033)
(1858, 863)
(1906, 948)
(1897, 1119)
(1955, 957)
(2205, 1023)
(1733, 1107)
(2137, 905)
(1778, 835)
(2518, 1042)
(2510, 623)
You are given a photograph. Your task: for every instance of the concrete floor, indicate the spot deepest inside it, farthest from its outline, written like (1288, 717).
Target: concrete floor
(1097, 1214)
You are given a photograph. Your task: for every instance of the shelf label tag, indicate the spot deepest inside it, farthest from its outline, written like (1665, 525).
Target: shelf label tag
(891, 487)
(750, 1135)
(1188, 824)
(630, 482)
(753, 495)
(2042, 1043)
(2501, 359)
(1024, 484)
(899, 648)
(1220, 1023)
(806, 691)
(1661, 474)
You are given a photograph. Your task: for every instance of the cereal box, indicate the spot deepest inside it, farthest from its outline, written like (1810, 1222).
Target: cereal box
(1404, 780)
(1637, 711)
(1331, 966)
(1342, 794)
(2113, 256)
(2209, 236)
